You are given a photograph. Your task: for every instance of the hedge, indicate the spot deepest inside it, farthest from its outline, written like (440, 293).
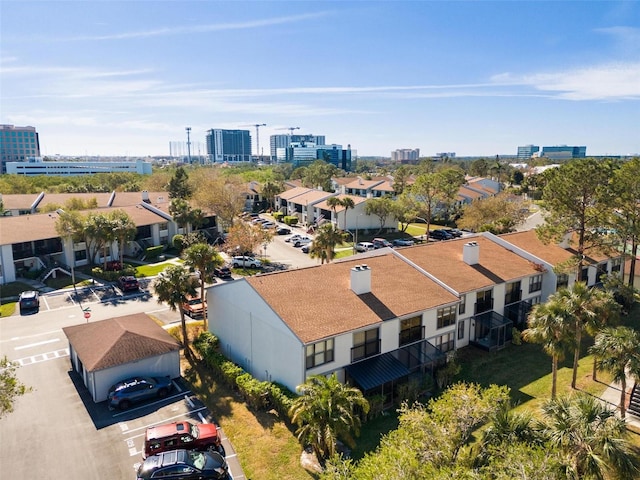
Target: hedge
(278, 216)
(258, 395)
(291, 220)
(151, 253)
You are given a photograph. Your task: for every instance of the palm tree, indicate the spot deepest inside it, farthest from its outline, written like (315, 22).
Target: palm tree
(327, 411)
(173, 286)
(333, 203)
(549, 325)
(325, 241)
(124, 229)
(588, 308)
(591, 438)
(617, 350)
(204, 258)
(347, 203)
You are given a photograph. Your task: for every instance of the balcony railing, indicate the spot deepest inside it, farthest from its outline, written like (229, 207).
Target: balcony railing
(365, 350)
(513, 297)
(483, 306)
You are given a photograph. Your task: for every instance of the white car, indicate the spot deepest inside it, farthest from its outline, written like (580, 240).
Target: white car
(364, 246)
(302, 240)
(293, 237)
(245, 262)
(266, 225)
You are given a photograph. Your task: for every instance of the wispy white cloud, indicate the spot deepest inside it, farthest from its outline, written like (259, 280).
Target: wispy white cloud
(627, 37)
(613, 81)
(196, 29)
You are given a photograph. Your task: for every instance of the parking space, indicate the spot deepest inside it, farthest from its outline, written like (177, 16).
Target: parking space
(77, 438)
(89, 295)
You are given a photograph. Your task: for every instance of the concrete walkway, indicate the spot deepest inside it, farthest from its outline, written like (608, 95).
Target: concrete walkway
(611, 397)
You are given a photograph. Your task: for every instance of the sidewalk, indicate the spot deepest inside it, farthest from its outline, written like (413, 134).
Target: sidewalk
(611, 397)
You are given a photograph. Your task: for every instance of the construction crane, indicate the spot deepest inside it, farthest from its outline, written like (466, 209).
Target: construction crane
(257, 125)
(291, 129)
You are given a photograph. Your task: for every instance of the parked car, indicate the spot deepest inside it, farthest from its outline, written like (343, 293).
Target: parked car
(29, 301)
(194, 307)
(298, 242)
(128, 283)
(222, 272)
(307, 247)
(184, 465)
(283, 231)
(137, 389)
(246, 262)
(364, 246)
(402, 242)
(293, 237)
(171, 436)
(456, 233)
(268, 224)
(440, 235)
(381, 243)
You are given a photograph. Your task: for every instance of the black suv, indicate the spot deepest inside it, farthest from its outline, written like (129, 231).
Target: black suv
(29, 301)
(128, 283)
(440, 235)
(222, 272)
(185, 465)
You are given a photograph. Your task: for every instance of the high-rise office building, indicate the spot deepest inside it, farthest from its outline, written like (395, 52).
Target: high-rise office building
(17, 144)
(302, 154)
(232, 146)
(563, 152)
(283, 141)
(405, 155)
(527, 151)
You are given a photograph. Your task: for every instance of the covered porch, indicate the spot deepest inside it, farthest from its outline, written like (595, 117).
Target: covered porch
(492, 331)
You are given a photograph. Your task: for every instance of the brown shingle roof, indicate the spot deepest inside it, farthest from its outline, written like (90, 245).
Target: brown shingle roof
(444, 261)
(294, 192)
(362, 184)
(25, 228)
(356, 200)
(318, 302)
(551, 253)
(116, 341)
(121, 199)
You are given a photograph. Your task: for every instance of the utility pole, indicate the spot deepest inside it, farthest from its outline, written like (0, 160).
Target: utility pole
(188, 129)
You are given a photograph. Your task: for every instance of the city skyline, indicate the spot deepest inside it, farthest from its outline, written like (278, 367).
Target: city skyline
(475, 78)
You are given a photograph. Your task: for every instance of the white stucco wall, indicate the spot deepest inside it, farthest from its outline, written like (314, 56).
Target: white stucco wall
(253, 336)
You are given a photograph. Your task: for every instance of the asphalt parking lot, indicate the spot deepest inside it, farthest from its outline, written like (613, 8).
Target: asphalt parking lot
(81, 439)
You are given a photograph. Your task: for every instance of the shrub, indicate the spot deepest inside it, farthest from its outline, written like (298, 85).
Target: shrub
(254, 391)
(376, 406)
(516, 336)
(278, 215)
(178, 242)
(152, 253)
(291, 220)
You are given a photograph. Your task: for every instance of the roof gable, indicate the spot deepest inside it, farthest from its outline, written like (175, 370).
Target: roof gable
(120, 340)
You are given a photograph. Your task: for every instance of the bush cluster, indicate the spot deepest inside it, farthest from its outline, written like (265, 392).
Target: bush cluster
(278, 216)
(258, 395)
(290, 220)
(113, 275)
(151, 253)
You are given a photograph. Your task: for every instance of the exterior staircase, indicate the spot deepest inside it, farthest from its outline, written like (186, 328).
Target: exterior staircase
(634, 400)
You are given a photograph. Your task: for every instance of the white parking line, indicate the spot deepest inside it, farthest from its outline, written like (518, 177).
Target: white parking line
(22, 347)
(146, 405)
(42, 357)
(166, 420)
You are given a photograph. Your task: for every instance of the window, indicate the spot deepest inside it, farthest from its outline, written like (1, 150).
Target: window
(320, 353)
(445, 342)
(460, 329)
(562, 281)
(484, 301)
(411, 330)
(365, 344)
(584, 275)
(463, 305)
(535, 283)
(513, 293)
(80, 255)
(616, 264)
(446, 316)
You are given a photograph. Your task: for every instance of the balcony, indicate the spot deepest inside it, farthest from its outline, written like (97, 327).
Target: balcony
(484, 306)
(365, 350)
(518, 313)
(492, 331)
(513, 297)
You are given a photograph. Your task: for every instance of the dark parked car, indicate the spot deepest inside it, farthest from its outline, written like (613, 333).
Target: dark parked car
(29, 301)
(402, 242)
(184, 465)
(381, 243)
(222, 272)
(440, 235)
(454, 232)
(283, 231)
(128, 283)
(137, 389)
(172, 436)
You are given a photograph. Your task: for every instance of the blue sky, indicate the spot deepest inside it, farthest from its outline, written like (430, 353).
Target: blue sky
(475, 78)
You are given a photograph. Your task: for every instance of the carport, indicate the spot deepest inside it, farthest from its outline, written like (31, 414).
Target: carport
(105, 352)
